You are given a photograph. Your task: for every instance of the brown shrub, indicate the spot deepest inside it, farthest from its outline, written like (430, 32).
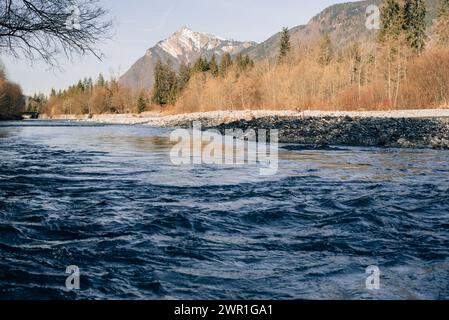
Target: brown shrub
(367, 83)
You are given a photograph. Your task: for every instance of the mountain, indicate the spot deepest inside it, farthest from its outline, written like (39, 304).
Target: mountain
(344, 22)
(185, 46)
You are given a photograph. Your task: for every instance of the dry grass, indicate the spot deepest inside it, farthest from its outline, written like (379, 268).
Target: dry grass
(375, 80)
(359, 78)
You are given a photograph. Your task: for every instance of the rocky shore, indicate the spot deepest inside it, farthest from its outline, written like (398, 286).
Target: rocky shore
(347, 131)
(381, 130)
(403, 129)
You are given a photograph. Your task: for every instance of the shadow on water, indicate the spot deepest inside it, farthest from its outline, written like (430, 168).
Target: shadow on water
(4, 134)
(9, 131)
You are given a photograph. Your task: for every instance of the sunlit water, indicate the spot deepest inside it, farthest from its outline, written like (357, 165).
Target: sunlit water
(108, 199)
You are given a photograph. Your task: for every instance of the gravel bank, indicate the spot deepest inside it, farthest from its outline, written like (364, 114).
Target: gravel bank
(404, 128)
(347, 131)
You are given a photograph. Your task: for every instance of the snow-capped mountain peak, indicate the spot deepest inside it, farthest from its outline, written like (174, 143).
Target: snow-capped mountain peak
(186, 41)
(184, 46)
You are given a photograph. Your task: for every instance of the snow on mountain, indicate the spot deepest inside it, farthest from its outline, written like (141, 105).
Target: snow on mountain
(184, 46)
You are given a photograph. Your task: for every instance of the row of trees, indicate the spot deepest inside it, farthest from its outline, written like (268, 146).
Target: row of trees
(11, 97)
(396, 72)
(169, 84)
(91, 97)
(44, 30)
(403, 37)
(405, 23)
(101, 96)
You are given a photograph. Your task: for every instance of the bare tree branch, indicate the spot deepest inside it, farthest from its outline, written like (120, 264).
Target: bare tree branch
(43, 29)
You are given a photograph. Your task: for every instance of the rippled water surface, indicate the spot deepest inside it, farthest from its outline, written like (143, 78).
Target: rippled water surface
(107, 199)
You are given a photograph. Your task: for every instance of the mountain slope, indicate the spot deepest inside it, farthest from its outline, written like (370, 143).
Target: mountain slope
(185, 46)
(344, 22)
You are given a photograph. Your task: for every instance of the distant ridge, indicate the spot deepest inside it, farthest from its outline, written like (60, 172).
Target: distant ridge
(344, 22)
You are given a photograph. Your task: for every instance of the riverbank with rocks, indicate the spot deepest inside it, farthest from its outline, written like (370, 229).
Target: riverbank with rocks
(347, 131)
(402, 128)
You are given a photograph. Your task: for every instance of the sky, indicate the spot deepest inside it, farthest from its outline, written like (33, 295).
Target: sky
(140, 24)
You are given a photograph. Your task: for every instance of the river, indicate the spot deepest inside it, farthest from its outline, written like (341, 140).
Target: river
(108, 200)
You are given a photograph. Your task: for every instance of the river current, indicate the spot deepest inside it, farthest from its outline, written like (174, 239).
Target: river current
(108, 200)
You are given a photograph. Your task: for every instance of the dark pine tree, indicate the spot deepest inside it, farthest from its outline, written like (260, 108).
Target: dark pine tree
(284, 45)
(165, 83)
(213, 66)
(243, 62)
(141, 103)
(415, 24)
(101, 82)
(201, 65)
(225, 64)
(184, 74)
(391, 21)
(80, 86)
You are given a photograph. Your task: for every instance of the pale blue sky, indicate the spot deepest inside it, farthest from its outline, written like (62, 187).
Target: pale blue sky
(140, 24)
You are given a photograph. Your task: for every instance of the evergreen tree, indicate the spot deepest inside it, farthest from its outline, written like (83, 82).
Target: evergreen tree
(225, 64)
(164, 89)
(243, 62)
(87, 85)
(213, 66)
(285, 45)
(141, 103)
(80, 86)
(184, 75)
(201, 65)
(415, 24)
(326, 50)
(442, 25)
(173, 94)
(101, 82)
(391, 21)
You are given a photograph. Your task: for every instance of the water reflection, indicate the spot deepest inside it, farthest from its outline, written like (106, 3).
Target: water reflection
(4, 133)
(137, 143)
(7, 130)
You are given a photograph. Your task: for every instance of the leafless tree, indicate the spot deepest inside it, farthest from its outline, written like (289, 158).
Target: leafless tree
(44, 29)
